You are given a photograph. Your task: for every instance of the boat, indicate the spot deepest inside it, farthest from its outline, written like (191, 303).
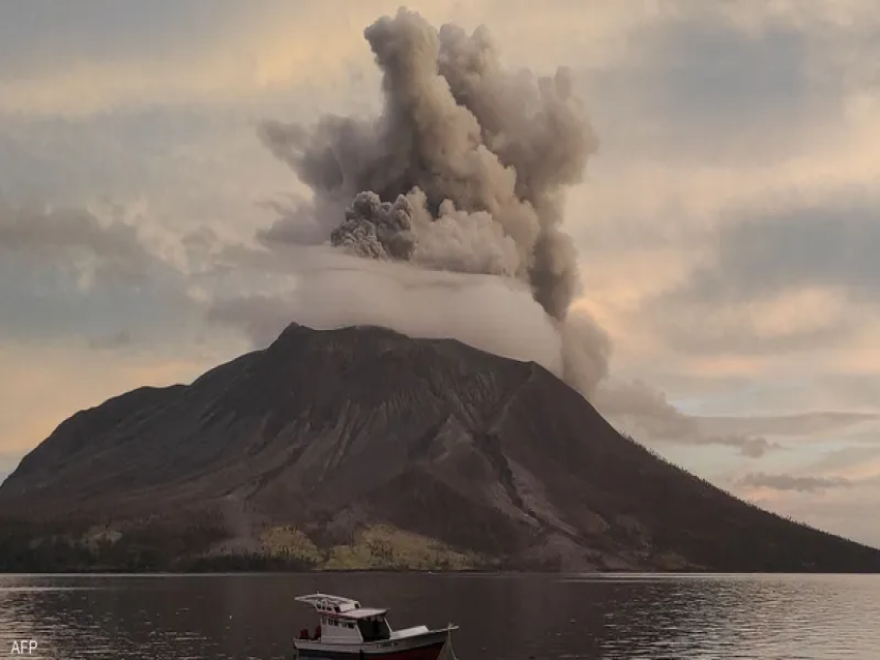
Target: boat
(347, 630)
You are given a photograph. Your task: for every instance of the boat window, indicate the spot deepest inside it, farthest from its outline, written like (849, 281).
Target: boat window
(373, 629)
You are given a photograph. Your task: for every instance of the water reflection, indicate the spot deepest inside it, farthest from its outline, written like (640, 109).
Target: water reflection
(502, 617)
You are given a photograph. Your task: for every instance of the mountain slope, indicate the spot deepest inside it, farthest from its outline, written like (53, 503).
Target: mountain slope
(353, 446)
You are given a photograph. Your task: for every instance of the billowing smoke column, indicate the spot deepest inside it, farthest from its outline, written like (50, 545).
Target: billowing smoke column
(463, 171)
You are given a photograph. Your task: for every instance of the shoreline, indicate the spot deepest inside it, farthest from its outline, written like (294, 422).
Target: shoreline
(109, 572)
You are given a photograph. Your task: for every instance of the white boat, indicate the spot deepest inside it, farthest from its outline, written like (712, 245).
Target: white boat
(347, 630)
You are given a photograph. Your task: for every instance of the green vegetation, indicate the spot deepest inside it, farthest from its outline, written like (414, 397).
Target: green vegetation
(146, 546)
(290, 544)
(384, 547)
(159, 546)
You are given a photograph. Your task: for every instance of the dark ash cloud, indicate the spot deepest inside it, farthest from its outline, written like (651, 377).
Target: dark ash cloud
(464, 171)
(471, 158)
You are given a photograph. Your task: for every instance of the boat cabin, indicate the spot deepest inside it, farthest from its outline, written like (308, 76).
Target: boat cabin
(344, 621)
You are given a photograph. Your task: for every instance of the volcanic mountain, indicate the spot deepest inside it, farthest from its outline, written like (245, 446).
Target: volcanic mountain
(361, 447)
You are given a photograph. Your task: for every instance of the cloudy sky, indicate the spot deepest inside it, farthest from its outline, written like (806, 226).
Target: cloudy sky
(727, 225)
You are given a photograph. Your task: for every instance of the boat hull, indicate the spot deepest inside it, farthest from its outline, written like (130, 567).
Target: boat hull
(423, 647)
(428, 652)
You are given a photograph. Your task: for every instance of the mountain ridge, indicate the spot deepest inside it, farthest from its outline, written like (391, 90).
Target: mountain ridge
(363, 447)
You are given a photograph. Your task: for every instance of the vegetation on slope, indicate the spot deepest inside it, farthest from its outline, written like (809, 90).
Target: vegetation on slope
(205, 547)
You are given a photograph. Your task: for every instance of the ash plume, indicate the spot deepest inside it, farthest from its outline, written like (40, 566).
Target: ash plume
(463, 171)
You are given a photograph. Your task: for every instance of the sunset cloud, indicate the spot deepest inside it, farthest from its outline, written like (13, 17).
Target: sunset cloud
(790, 482)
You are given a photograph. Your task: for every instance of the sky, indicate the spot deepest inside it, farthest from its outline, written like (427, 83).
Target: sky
(726, 226)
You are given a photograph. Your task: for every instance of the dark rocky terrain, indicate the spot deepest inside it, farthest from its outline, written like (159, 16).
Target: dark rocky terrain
(361, 447)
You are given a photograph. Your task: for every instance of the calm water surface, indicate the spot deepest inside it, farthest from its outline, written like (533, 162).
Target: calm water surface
(609, 617)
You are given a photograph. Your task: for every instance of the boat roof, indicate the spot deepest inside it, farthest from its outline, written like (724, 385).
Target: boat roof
(340, 606)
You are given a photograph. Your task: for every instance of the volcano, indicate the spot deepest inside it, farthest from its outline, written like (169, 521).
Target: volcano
(360, 447)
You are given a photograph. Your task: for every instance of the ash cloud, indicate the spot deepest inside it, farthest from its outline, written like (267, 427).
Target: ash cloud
(464, 171)
(450, 202)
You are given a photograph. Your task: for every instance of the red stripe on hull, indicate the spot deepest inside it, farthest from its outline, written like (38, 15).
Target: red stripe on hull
(428, 652)
(424, 653)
